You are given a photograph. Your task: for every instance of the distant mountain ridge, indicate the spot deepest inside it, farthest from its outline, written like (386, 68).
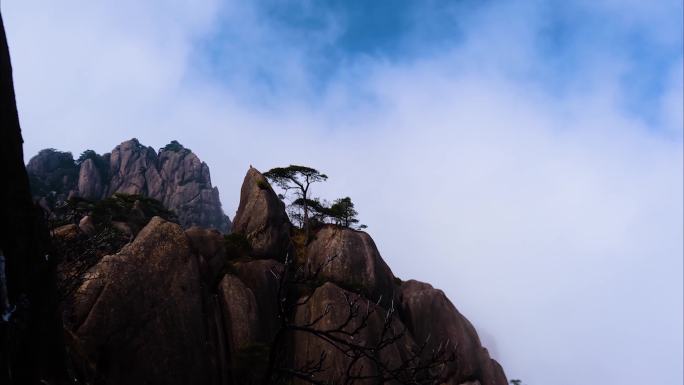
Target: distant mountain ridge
(174, 175)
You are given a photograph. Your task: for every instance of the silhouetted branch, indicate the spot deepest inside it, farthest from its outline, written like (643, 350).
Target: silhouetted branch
(366, 361)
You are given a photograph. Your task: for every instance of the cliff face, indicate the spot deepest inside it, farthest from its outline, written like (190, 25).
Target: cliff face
(177, 307)
(30, 331)
(175, 176)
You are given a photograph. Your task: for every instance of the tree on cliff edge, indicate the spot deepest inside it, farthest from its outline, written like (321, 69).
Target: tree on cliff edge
(299, 179)
(343, 213)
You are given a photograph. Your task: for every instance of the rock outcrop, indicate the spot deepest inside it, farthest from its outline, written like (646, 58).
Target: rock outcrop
(261, 218)
(240, 313)
(174, 176)
(430, 316)
(329, 307)
(351, 260)
(91, 184)
(259, 277)
(138, 317)
(178, 306)
(30, 331)
(53, 176)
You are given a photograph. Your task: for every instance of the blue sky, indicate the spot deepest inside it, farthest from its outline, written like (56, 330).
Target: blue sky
(523, 156)
(566, 41)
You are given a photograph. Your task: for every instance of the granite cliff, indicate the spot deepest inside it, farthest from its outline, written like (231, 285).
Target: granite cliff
(174, 176)
(179, 306)
(31, 344)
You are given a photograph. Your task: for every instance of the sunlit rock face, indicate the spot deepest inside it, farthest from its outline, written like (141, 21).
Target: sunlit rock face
(174, 176)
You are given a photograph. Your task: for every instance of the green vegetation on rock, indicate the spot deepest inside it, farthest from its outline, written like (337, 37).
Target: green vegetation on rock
(174, 146)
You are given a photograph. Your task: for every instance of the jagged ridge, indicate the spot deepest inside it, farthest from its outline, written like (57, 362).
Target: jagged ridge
(175, 176)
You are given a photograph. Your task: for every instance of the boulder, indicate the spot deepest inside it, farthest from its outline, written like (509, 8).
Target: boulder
(428, 313)
(67, 232)
(86, 225)
(261, 218)
(356, 263)
(328, 309)
(260, 277)
(249, 302)
(240, 314)
(138, 316)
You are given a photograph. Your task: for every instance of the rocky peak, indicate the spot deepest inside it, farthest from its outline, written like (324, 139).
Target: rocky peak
(261, 217)
(133, 170)
(52, 174)
(49, 161)
(351, 262)
(175, 176)
(225, 310)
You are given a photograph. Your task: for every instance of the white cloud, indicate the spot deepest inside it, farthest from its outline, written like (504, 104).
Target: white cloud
(552, 220)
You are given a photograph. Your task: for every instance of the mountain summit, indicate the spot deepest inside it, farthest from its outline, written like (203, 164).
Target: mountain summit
(261, 305)
(174, 175)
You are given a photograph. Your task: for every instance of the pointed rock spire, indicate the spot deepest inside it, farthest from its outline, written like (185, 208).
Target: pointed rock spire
(261, 218)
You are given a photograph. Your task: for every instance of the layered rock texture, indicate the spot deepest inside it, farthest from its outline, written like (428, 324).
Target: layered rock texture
(187, 306)
(174, 176)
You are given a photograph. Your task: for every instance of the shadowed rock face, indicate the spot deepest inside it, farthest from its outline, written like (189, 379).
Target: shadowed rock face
(32, 348)
(138, 316)
(209, 246)
(261, 218)
(491, 373)
(259, 278)
(53, 176)
(175, 176)
(178, 307)
(428, 313)
(240, 313)
(330, 297)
